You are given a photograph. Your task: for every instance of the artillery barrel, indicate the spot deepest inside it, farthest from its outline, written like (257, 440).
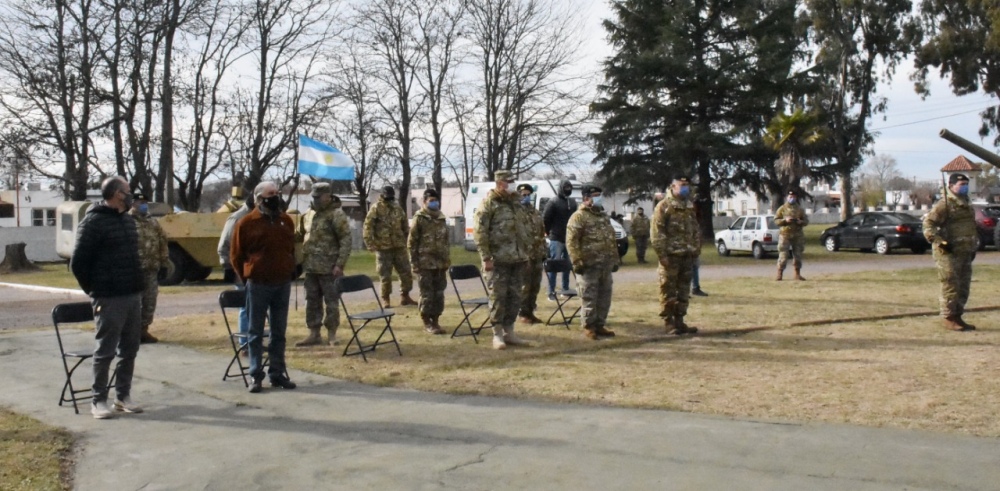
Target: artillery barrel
(972, 148)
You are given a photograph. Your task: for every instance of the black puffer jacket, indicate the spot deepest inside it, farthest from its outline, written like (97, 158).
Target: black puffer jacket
(106, 257)
(557, 213)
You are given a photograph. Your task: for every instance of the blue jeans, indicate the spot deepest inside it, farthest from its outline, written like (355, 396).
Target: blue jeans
(244, 315)
(557, 250)
(695, 282)
(270, 301)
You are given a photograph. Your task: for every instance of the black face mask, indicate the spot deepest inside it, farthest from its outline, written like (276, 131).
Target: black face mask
(272, 203)
(389, 197)
(567, 191)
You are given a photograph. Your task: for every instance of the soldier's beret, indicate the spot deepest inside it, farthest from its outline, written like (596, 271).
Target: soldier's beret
(504, 175)
(682, 179)
(321, 188)
(589, 189)
(430, 193)
(139, 196)
(957, 178)
(525, 187)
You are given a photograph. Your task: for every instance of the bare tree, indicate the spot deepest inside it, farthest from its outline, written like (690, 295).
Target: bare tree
(468, 150)
(881, 168)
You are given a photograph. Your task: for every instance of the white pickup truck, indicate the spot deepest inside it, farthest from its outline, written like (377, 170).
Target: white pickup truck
(757, 234)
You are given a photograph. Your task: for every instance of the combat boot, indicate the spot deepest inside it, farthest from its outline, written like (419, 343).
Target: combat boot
(965, 325)
(605, 333)
(798, 275)
(404, 299)
(951, 323)
(146, 337)
(680, 328)
(498, 341)
(385, 302)
(429, 325)
(331, 336)
(435, 320)
(529, 319)
(313, 339)
(510, 338)
(781, 272)
(590, 334)
(668, 322)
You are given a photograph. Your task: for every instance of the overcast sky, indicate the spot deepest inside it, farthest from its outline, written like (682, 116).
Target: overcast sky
(908, 130)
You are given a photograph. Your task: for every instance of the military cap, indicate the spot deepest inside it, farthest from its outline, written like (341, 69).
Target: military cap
(681, 179)
(525, 187)
(321, 188)
(139, 196)
(589, 189)
(388, 190)
(430, 193)
(791, 192)
(957, 178)
(504, 175)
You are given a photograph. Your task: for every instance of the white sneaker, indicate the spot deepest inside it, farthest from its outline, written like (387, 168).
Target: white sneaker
(127, 406)
(498, 342)
(100, 410)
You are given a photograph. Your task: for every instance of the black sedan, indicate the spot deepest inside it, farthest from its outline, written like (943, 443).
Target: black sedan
(881, 231)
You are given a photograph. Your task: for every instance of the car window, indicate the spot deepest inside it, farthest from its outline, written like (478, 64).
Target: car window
(751, 224)
(855, 220)
(771, 225)
(875, 220)
(992, 211)
(739, 223)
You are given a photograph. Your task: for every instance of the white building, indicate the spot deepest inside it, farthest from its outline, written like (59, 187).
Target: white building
(30, 206)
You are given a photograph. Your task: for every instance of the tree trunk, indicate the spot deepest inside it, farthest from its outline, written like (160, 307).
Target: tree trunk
(15, 260)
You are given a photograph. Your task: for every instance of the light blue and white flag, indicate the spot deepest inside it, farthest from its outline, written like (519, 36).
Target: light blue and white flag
(321, 160)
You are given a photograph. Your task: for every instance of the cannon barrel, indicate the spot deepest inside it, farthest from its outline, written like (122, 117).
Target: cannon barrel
(972, 148)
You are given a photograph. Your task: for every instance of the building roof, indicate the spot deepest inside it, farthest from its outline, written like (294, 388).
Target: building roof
(961, 164)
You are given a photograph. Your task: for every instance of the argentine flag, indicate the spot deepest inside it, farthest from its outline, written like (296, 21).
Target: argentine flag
(321, 160)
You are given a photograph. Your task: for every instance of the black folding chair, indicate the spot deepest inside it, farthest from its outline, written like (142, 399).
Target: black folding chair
(235, 300)
(347, 285)
(470, 305)
(74, 313)
(563, 296)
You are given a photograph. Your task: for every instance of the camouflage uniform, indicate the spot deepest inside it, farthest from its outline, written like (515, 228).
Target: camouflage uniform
(537, 252)
(952, 220)
(152, 256)
(499, 237)
(385, 233)
(640, 232)
(675, 239)
(590, 240)
(430, 255)
(326, 236)
(790, 238)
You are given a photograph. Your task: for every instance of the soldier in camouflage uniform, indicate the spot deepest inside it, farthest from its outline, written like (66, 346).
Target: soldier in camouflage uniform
(430, 255)
(640, 232)
(153, 257)
(385, 232)
(951, 228)
(499, 234)
(537, 252)
(791, 240)
(677, 243)
(590, 240)
(326, 245)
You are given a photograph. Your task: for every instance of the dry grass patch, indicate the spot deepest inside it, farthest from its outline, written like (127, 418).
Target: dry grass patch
(32, 455)
(754, 357)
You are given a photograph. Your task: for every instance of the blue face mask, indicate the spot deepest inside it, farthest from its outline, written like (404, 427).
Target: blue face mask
(791, 201)
(685, 191)
(143, 209)
(963, 189)
(598, 201)
(526, 200)
(434, 205)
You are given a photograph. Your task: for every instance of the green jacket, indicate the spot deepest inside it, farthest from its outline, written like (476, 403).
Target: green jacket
(385, 226)
(428, 242)
(534, 230)
(640, 227)
(326, 239)
(590, 239)
(153, 252)
(499, 229)
(953, 220)
(785, 217)
(674, 229)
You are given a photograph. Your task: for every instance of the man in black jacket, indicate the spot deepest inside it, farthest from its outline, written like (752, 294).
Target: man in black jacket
(106, 265)
(556, 216)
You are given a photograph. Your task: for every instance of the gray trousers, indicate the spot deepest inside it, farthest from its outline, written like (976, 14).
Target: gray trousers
(118, 331)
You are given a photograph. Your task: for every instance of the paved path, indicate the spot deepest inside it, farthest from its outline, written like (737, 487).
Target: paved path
(202, 433)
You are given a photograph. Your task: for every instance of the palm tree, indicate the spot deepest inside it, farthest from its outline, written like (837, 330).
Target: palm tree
(795, 137)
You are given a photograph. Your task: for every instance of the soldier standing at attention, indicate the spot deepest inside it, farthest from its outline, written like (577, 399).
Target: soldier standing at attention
(590, 240)
(326, 245)
(385, 232)
(677, 244)
(791, 218)
(499, 237)
(430, 255)
(537, 252)
(640, 232)
(152, 256)
(951, 228)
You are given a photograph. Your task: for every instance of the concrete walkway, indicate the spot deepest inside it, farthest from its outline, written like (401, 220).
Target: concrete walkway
(202, 433)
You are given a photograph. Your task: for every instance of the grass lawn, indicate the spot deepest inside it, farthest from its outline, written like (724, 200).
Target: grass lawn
(33, 456)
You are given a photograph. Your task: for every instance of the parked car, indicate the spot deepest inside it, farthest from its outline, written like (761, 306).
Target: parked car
(757, 234)
(881, 231)
(987, 217)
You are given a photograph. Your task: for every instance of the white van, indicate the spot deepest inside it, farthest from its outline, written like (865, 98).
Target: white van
(544, 191)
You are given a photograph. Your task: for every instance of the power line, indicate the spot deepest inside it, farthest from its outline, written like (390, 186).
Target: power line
(932, 119)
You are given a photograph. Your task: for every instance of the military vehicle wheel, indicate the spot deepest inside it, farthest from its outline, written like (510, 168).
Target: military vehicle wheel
(176, 265)
(196, 272)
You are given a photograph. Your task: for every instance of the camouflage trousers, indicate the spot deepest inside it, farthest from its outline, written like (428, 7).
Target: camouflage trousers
(532, 285)
(506, 281)
(675, 284)
(955, 273)
(640, 248)
(321, 291)
(595, 292)
(432, 283)
(394, 258)
(790, 245)
(149, 298)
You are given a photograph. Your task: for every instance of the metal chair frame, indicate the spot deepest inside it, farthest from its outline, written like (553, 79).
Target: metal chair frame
(74, 313)
(359, 283)
(563, 296)
(468, 272)
(237, 299)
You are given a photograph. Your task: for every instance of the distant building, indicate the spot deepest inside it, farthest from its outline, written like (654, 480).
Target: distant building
(30, 206)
